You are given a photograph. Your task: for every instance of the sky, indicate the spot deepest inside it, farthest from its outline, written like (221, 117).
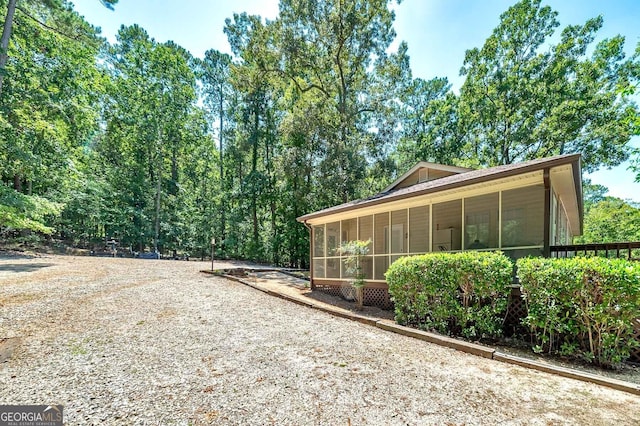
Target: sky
(438, 33)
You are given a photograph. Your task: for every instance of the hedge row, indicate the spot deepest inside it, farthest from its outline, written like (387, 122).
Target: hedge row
(459, 294)
(581, 307)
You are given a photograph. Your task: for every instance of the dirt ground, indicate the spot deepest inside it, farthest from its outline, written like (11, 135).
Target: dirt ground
(129, 341)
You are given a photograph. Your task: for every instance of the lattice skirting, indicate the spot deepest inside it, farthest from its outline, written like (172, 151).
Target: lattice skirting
(378, 297)
(516, 310)
(332, 289)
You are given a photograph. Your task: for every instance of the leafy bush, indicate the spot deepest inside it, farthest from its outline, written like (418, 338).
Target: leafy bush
(582, 306)
(453, 293)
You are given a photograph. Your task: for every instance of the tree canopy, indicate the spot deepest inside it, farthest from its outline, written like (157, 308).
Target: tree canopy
(140, 141)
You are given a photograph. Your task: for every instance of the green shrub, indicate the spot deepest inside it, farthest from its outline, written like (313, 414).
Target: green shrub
(459, 294)
(582, 306)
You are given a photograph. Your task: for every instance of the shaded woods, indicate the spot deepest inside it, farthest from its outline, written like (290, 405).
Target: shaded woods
(141, 141)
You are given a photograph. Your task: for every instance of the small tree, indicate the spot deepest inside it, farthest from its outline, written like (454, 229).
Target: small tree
(354, 252)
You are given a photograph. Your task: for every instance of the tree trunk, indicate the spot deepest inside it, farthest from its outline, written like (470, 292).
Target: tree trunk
(158, 192)
(254, 167)
(4, 41)
(174, 170)
(17, 182)
(221, 160)
(359, 298)
(272, 200)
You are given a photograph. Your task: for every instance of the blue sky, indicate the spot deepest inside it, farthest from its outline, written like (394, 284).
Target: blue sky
(437, 31)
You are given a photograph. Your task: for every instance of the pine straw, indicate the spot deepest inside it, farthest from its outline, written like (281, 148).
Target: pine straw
(127, 341)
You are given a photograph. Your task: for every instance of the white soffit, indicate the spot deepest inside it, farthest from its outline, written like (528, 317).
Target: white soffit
(482, 188)
(564, 185)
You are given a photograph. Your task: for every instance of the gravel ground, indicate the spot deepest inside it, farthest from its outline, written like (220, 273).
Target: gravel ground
(127, 341)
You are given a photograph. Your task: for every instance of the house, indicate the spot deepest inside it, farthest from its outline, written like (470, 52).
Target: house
(521, 209)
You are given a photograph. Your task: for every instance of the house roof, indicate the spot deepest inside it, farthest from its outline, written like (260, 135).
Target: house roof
(426, 165)
(459, 180)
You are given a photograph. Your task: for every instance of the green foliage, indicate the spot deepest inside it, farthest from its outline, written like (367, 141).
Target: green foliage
(312, 109)
(592, 193)
(24, 212)
(462, 294)
(47, 110)
(355, 252)
(610, 220)
(524, 98)
(582, 306)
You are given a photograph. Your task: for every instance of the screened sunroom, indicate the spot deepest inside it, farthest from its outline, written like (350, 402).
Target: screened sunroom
(520, 209)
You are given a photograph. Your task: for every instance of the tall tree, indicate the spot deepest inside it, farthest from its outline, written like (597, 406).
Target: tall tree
(522, 99)
(611, 220)
(47, 106)
(215, 74)
(328, 50)
(431, 130)
(53, 5)
(254, 133)
(148, 115)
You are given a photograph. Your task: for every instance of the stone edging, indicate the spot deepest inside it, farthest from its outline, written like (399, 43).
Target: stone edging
(460, 345)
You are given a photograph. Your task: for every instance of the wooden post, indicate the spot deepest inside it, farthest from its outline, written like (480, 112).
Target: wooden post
(546, 251)
(213, 245)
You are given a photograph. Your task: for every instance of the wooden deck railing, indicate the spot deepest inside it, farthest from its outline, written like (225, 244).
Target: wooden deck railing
(628, 250)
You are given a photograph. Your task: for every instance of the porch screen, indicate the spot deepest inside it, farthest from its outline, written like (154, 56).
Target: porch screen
(333, 239)
(318, 268)
(381, 266)
(333, 267)
(318, 241)
(523, 217)
(399, 231)
(365, 230)
(318, 251)
(381, 231)
(419, 229)
(447, 224)
(367, 267)
(481, 221)
(349, 230)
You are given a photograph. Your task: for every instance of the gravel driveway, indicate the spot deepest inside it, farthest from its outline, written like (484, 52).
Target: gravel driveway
(126, 341)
